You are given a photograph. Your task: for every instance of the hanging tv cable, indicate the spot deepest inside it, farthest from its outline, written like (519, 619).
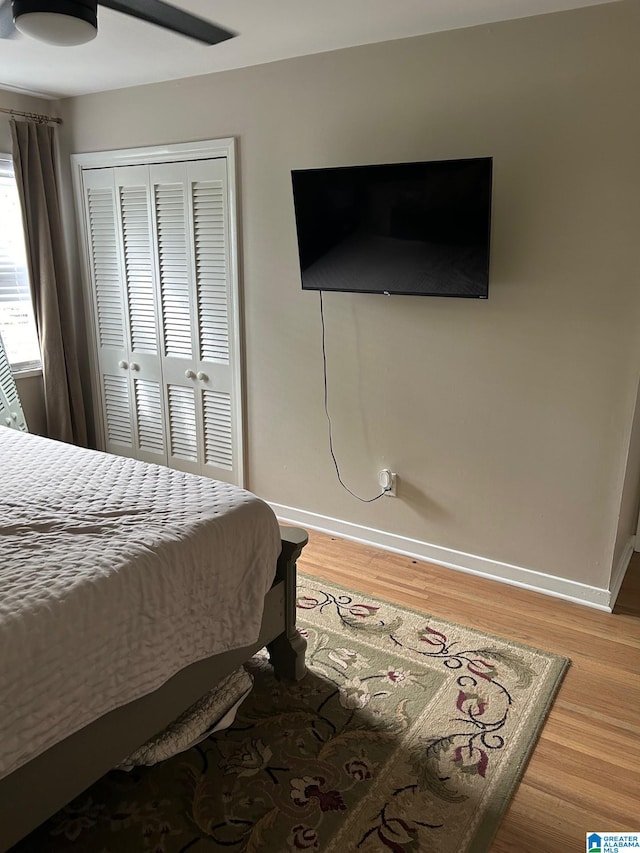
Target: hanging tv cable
(326, 410)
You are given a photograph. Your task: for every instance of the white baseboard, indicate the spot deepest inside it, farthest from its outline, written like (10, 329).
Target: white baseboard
(569, 590)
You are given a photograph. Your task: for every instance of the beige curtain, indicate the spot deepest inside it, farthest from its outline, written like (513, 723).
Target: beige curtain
(34, 164)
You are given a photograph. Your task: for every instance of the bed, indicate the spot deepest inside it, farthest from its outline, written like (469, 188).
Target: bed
(127, 591)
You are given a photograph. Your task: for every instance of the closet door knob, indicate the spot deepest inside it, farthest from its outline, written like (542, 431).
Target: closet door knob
(203, 377)
(123, 365)
(135, 366)
(189, 374)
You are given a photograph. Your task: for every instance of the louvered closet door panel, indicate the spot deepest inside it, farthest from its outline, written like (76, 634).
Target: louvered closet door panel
(183, 427)
(174, 260)
(191, 210)
(218, 429)
(105, 261)
(211, 266)
(137, 238)
(217, 337)
(116, 395)
(141, 304)
(110, 325)
(169, 193)
(191, 220)
(117, 404)
(149, 411)
(147, 398)
(182, 415)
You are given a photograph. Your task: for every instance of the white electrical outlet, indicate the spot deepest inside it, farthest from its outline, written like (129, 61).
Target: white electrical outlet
(388, 482)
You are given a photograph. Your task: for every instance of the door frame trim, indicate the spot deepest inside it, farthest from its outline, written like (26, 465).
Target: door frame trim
(175, 153)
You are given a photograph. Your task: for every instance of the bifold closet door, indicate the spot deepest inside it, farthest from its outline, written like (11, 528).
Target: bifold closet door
(198, 336)
(122, 266)
(164, 304)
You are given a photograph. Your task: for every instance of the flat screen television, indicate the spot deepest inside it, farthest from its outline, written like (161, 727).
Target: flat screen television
(403, 228)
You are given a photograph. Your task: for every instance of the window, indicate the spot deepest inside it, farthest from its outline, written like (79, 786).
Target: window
(17, 322)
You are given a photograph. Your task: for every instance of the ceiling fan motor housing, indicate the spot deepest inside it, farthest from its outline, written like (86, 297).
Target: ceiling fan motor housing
(74, 22)
(86, 10)
(58, 22)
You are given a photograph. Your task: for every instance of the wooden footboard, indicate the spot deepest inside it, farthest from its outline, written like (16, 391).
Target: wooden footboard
(287, 650)
(35, 791)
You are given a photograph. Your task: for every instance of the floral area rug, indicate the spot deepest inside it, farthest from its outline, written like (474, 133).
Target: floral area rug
(407, 734)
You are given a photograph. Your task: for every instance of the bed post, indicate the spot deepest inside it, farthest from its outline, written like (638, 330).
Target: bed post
(287, 651)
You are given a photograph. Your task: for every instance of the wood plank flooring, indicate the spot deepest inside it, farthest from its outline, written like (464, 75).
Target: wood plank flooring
(584, 775)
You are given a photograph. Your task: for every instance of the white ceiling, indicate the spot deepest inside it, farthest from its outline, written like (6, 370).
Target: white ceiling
(128, 52)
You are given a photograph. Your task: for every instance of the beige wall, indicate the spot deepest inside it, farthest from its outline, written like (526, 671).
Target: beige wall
(13, 101)
(508, 421)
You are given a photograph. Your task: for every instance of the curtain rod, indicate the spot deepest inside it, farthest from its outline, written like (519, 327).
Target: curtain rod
(34, 116)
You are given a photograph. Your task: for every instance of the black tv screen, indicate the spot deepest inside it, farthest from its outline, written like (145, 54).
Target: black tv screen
(405, 228)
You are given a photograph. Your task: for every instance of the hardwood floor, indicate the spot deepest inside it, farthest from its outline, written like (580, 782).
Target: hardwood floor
(584, 775)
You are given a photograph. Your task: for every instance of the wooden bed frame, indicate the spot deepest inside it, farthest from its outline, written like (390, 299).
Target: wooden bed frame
(35, 791)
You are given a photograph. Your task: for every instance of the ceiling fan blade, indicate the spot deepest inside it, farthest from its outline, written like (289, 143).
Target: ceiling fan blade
(7, 27)
(171, 18)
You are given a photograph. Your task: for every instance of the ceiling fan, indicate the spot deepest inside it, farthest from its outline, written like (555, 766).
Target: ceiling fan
(69, 22)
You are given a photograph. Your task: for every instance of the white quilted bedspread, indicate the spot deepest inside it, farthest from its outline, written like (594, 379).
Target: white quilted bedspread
(115, 574)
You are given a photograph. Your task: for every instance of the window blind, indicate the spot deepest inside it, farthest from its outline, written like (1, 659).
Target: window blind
(16, 311)
(14, 284)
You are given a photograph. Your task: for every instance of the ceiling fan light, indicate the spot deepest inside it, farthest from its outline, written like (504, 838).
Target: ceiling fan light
(56, 28)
